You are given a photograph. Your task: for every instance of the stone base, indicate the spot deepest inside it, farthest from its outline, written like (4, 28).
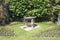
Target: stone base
(26, 28)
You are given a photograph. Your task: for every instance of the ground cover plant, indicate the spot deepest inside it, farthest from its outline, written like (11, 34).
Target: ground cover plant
(45, 28)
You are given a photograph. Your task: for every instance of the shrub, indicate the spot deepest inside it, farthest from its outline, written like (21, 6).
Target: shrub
(38, 8)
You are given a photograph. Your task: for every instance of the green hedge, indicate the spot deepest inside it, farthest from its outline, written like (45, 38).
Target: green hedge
(38, 8)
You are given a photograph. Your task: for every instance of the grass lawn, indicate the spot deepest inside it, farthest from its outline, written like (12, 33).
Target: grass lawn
(31, 35)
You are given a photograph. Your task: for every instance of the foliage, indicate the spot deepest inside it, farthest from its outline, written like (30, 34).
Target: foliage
(38, 8)
(2, 17)
(23, 8)
(0, 10)
(0, 0)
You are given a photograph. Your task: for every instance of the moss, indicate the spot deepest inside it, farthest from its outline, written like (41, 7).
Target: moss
(2, 17)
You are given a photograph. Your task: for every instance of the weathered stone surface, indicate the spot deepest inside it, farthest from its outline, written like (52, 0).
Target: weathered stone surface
(29, 26)
(26, 21)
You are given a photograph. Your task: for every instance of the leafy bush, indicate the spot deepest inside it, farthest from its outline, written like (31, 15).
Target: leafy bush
(38, 8)
(23, 8)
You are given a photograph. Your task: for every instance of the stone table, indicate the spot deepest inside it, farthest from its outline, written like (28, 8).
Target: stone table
(31, 25)
(29, 18)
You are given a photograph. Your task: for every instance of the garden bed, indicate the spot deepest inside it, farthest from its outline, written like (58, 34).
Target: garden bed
(4, 31)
